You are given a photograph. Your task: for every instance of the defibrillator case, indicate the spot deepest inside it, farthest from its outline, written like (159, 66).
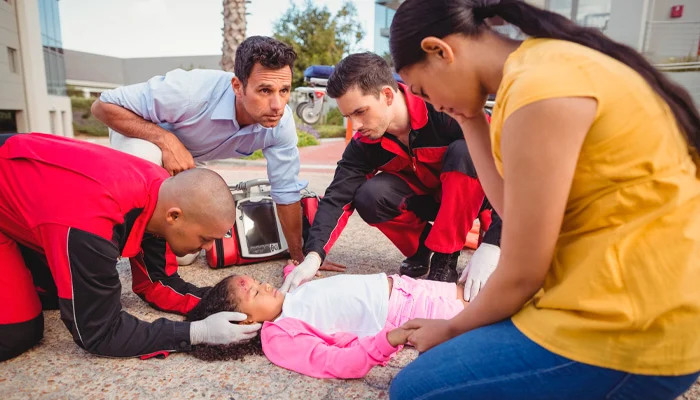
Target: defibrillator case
(257, 233)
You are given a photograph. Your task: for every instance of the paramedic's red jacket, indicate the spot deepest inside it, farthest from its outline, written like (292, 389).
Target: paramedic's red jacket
(420, 167)
(84, 206)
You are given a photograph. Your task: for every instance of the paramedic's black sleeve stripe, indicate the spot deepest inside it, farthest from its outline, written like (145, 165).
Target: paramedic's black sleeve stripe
(493, 235)
(351, 172)
(94, 315)
(154, 258)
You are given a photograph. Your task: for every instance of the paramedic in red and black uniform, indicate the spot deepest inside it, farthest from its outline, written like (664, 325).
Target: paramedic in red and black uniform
(408, 164)
(68, 211)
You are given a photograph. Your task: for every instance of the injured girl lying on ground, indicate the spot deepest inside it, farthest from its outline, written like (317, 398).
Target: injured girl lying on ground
(337, 327)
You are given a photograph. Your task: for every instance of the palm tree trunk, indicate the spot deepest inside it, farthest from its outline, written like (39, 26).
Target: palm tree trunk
(234, 31)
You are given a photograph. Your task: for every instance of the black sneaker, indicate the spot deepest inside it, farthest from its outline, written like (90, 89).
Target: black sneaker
(419, 263)
(443, 267)
(416, 265)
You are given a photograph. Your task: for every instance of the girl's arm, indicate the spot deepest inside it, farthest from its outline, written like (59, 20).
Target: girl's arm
(540, 145)
(297, 346)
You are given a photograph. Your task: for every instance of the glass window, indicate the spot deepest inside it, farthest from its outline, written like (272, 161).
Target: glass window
(8, 121)
(57, 25)
(594, 13)
(47, 68)
(12, 59)
(43, 20)
(53, 47)
(61, 74)
(563, 7)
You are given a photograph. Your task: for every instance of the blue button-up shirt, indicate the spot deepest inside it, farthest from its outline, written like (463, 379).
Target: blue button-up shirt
(198, 107)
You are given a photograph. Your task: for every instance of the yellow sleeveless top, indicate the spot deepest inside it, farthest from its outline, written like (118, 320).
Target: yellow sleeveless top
(623, 290)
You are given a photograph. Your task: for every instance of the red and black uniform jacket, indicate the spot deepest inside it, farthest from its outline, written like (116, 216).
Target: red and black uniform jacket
(419, 165)
(84, 206)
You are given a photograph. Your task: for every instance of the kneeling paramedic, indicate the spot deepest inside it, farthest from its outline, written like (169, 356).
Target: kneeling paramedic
(69, 210)
(407, 164)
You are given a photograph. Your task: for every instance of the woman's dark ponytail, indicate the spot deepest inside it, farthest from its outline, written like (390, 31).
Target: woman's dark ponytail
(417, 19)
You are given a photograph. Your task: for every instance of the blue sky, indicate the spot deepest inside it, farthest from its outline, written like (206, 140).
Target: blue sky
(157, 28)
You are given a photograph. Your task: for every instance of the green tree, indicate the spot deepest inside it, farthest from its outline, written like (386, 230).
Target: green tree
(318, 37)
(387, 57)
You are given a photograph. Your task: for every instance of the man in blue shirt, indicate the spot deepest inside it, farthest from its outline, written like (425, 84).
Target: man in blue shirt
(187, 117)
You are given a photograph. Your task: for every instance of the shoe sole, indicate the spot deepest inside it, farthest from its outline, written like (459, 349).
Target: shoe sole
(451, 278)
(413, 272)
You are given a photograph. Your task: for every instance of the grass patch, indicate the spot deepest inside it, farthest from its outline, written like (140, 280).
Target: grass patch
(305, 139)
(255, 156)
(83, 121)
(334, 117)
(330, 131)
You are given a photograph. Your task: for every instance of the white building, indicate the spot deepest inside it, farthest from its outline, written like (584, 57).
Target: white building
(89, 74)
(32, 72)
(666, 31)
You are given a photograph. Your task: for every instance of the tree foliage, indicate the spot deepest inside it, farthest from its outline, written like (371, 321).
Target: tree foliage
(318, 36)
(388, 59)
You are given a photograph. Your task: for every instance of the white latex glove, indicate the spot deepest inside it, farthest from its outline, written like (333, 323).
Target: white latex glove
(479, 269)
(302, 273)
(218, 329)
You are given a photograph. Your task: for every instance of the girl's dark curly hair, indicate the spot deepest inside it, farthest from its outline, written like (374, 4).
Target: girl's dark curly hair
(220, 298)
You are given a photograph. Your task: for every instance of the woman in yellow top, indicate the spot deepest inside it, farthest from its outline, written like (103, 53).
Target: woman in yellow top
(591, 162)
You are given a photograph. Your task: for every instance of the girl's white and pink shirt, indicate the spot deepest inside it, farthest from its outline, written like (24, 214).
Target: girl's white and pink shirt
(337, 327)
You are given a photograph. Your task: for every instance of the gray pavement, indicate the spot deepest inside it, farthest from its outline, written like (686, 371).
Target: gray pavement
(59, 369)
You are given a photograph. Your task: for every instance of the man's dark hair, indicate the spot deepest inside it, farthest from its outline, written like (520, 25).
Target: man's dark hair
(368, 71)
(268, 52)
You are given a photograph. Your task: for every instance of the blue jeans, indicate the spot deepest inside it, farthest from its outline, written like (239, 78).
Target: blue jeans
(499, 362)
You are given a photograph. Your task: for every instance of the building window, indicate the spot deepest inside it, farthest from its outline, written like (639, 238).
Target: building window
(53, 47)
(591, 13)
(12, 59)
(8, 121)
(594, 13)
(563, 7)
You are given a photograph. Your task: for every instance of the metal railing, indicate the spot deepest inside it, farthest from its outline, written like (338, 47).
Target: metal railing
(596, 20)
(674, 48)
(687, 75)
(672, 42)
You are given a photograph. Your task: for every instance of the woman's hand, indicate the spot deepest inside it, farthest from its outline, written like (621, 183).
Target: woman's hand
(476, 133)
(428, 333)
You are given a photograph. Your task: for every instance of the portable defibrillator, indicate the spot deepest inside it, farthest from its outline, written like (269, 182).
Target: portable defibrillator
(257, 233)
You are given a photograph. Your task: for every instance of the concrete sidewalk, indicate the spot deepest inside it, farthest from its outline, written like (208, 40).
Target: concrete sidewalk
(58, 369)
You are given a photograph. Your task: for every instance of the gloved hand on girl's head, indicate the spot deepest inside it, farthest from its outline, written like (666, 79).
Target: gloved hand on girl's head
(235, 306)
